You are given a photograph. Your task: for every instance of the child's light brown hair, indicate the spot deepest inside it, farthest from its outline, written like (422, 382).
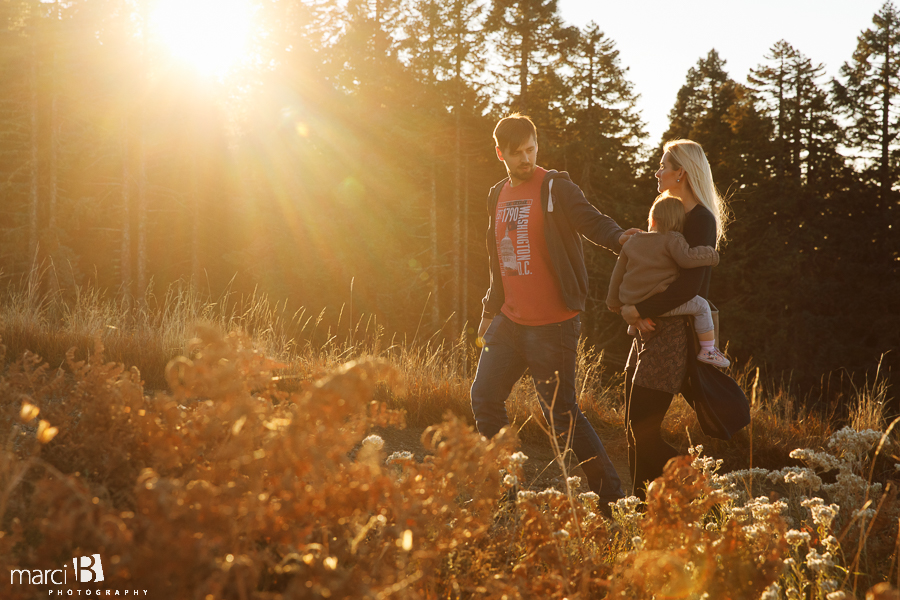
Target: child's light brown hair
(667, 214)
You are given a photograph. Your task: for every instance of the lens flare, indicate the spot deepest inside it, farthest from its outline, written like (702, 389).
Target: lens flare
(211, 35)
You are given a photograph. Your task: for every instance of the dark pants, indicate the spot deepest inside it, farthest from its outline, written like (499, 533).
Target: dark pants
(549, 351)
(648, 453)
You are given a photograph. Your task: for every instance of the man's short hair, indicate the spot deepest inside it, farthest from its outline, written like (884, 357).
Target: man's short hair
(513, 131)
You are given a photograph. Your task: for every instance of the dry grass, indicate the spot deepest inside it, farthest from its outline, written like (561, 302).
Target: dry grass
(254, 475)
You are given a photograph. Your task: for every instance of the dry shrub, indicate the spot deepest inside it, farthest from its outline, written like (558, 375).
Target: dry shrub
(228, 487)
(683, 551)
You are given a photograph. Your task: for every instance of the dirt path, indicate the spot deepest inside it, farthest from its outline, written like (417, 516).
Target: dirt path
(541, 470)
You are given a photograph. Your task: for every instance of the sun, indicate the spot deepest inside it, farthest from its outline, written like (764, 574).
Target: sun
(210, 35)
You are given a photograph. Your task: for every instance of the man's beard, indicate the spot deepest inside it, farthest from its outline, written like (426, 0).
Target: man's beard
(524, 171)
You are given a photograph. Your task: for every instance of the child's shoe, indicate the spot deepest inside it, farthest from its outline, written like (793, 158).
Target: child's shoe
(713, 356)
(632, 331)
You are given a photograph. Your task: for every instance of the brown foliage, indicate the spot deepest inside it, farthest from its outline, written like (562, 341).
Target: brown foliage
(227, 487)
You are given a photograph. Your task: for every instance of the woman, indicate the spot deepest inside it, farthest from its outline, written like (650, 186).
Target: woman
(659, 361)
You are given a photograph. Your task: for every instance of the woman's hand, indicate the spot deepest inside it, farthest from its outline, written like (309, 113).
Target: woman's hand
(633, 317)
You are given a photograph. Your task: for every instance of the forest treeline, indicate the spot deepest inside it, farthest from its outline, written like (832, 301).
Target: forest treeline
(346, 163)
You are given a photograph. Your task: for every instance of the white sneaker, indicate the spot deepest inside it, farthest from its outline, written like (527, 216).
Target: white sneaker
(714, 357)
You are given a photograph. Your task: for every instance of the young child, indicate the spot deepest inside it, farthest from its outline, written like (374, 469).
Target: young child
(648, 264)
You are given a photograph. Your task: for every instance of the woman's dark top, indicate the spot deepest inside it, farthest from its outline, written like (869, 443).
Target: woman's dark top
(699, 230)
(659, 359)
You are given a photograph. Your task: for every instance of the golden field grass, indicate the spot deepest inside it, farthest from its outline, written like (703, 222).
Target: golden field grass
(226, 450)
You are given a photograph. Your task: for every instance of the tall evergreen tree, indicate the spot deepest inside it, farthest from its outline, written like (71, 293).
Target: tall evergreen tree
(870, 92)
(806, 133)
(715, 111)
(607, 130)
(530, 36)
(603, 149)
(446, 48)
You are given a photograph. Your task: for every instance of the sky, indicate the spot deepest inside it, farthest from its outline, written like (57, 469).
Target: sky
(659, 40)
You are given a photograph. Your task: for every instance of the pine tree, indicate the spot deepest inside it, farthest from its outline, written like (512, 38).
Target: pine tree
(530, 36)
(869, 93)
(446, 49)
(806, 134)
(718, 113)
(16, 109)
(607, 130)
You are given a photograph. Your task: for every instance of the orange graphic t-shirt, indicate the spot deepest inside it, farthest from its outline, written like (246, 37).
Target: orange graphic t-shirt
(531, 288)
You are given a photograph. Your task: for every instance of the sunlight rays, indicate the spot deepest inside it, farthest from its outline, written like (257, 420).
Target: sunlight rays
(210, 35)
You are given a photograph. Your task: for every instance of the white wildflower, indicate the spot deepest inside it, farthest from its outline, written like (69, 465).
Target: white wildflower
(821, 514)
(822, 460)
(740, 513)
(819, 563)
(795, 538)
(562, 534)
(525, 495)
(847, 483)
(854, 443)
(803, 477)
(762, 507)
(828, 585)
(549, 494)
(373, 441)
(400, 458)
(773, 592)
(631, 502)
(831, 544)
(637, 542)
(590, 499)
(838, 595)
(518, 458)
(754, 532)
(574, 482)
(867, 513)
(789, 562)
(510, 481)
(712, 526)
(707, 464)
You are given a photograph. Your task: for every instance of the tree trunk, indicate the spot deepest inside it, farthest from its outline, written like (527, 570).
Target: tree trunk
(884, 172)
(523, 74)
(34, 202)
(53, 190)
(125, 250)
(142, 166)
(433, 234)
(195, 222)
(457, 200)
(141, 215)
(464, 259)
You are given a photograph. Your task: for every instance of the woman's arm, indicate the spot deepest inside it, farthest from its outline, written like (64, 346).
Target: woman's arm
(699, 230)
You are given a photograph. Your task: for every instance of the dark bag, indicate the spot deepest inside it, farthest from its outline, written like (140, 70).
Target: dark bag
(722, 407)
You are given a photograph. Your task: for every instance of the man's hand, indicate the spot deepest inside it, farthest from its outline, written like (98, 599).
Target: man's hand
(482, 329)
(633, 317)
(625, 236)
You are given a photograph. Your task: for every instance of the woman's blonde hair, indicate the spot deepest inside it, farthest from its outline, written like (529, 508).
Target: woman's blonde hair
(689, 156)
(667, 213)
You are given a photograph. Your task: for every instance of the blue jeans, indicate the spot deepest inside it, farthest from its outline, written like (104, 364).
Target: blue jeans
(547, 350)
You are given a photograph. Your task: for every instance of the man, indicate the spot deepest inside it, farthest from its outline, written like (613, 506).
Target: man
(538, 286)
